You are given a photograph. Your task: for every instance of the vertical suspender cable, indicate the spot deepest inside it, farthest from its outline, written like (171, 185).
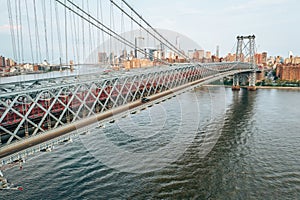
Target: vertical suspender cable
(21, 33)
(101, 11)
(132, 34)
(98, 34)
(12, 32)
(109, 31)
(110, 38)
(99, 25)
(123, 28)
(73, 37)
(38, 47)
(76, 32)
(155, 31)
(79, 36)
(17, 30)
(51, 30)
(83, 41)
(29, 31)
(45, 28)
(58, 32)
(113, 28)
(90, 34)
(66, 34)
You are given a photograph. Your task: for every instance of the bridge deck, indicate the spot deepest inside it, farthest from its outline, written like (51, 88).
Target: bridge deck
(187, 78)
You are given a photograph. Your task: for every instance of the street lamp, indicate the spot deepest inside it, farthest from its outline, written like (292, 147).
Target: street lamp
(135, 45)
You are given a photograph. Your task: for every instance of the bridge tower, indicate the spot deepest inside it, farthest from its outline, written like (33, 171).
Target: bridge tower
(245, 52)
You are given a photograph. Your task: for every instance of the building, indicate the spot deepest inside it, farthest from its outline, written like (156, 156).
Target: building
(2, 61)
(230, 57)
(190, 54)
(288, 72)
(208, 55)
(159, 55)
(218, 52)
(296, 60)
(279, 59)
(258, 58)
(264, 58)
(137, 63)
(196, 56)
(10, 62)
(201, 54)
(170, 56)
(102, 57)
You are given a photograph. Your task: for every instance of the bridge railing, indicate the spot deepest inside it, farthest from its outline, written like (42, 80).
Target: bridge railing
(43, 107)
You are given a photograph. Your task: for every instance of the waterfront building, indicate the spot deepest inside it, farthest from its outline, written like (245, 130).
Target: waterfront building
(288, 72)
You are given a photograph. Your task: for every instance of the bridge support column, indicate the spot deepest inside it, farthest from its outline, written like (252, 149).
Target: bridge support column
(49, 123)
(26, 131)
(252, 81)
(236, 82)
(68, 119)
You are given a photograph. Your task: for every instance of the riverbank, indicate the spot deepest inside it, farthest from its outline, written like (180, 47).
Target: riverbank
(259, 87)
(278, 87)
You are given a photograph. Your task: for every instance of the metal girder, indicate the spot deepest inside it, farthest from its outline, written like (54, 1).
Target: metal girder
(35, 111)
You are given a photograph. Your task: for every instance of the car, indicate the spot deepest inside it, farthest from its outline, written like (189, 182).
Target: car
(145, 100)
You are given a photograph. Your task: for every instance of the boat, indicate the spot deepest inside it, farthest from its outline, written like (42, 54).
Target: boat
(5, 185)
(11, 187)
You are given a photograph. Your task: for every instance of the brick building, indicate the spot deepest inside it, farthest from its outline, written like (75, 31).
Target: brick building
(288, 72)
(2, 61)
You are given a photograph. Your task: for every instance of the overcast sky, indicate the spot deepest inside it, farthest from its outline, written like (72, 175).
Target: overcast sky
(274, 22)
(210, 23)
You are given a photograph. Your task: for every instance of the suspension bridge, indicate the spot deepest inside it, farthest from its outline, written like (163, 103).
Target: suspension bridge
(121, 75)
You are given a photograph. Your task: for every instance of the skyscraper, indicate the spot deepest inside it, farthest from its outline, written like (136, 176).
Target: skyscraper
(264, 57)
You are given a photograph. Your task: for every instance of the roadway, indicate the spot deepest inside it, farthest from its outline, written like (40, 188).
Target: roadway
(61, 131)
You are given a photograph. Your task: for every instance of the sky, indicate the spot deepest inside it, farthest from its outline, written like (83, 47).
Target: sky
(275, 23)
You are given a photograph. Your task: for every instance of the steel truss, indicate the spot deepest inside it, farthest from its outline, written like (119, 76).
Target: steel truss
(42, 106)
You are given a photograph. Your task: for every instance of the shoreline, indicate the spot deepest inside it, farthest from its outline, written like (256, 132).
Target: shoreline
(259, 87)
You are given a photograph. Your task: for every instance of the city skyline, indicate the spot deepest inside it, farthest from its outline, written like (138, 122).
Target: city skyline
(214, 24)
(273, 22)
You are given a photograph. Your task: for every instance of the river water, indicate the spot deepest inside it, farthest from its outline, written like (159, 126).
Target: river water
(209, 143)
